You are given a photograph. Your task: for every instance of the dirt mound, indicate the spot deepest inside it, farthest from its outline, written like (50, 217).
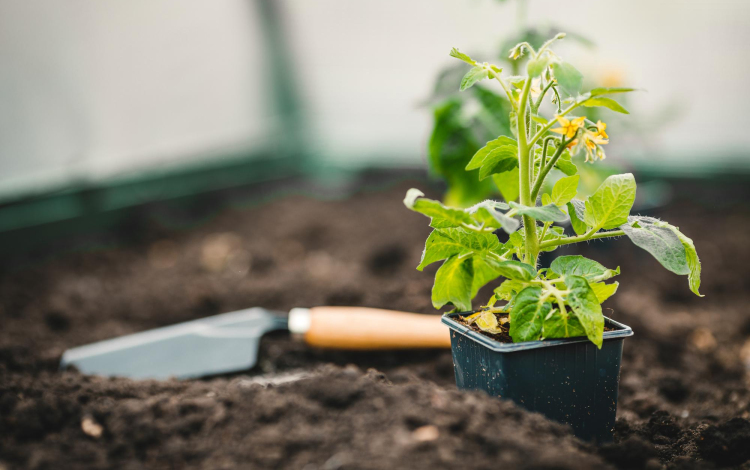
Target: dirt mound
(684, 400)
(337, 418)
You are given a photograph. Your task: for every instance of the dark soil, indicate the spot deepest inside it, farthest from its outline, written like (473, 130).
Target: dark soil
(684, 398)
(504, 335)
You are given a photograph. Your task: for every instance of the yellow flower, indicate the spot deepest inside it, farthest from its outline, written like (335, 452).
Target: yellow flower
(600, 153)
(568, 127)
(600, 129)
(592, 142)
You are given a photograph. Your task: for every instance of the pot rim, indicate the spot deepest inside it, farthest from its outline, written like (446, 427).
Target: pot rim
(622, 331)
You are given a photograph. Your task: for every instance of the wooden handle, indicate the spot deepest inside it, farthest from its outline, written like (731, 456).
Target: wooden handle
(372, 328)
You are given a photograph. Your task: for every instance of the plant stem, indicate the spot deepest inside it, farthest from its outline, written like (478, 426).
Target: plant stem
(591, 235)
(477, 228)
(548, 167)
(544, 150)
(544, 92)
(563, 312)
(544, 231)
(525, 165)
(549, 42)
(497, 257)
(496, 76)
(558, 101)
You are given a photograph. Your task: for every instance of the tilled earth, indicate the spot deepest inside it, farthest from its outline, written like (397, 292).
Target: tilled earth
(684, 399)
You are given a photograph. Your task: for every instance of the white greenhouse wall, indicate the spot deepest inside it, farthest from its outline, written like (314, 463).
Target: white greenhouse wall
(95, 89)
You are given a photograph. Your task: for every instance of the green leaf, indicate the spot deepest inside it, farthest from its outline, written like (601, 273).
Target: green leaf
(439, 223)
(568, 77)
(668, 245)
(610, 205)
(546, 199)
(517, 239)
(461, 56)
(512, 269)
(451, 145)
(411, 197)
(438, 247)
(442, 216)
(472, 76)
(528, 314)
(446, 126)
(507, 184)
(605, 103)
(472, 241)
(499, 160)
(447, 242)
(565, 190)
(495, 220)
(486, 213)
(576, 210)
(548, 213)
(609, 91)
(660, 241)
(483, 273)
(566, 165)
(517, 81)
(509, 289)
(535, 67)
(585, 304)
(603, 291)
(539, 119)
(577, 265)
(494, 111)
(563, 163)
(489, 204)
(453, 283)
(559, 326)
(478, 159)
(694, 263)
(553, 233)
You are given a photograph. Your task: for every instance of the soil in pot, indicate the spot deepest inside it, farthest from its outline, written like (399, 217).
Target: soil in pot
(504, 336)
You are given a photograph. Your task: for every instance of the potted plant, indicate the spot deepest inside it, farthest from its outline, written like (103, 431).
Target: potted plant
(541, 339)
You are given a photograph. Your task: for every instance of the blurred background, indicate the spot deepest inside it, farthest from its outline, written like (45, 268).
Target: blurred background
(104, 94)
(164, 160)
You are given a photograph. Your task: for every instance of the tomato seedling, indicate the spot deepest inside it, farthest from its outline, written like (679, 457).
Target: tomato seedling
(563, 300)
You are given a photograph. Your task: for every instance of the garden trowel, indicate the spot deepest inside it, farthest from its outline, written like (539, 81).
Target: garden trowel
(229, 342)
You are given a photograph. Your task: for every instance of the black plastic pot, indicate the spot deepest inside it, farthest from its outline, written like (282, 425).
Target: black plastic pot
(568, 380)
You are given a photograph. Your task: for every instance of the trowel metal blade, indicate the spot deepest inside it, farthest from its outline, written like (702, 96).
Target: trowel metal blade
(209, 346)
